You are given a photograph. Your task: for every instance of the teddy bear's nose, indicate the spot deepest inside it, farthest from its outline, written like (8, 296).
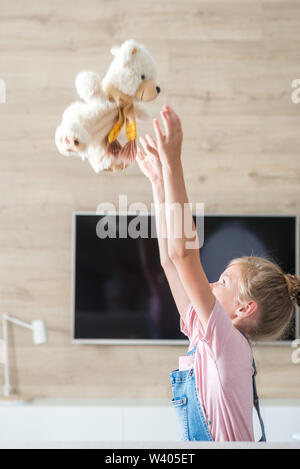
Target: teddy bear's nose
(158, 89)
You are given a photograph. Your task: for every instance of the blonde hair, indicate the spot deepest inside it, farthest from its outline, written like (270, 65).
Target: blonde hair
(275, 292)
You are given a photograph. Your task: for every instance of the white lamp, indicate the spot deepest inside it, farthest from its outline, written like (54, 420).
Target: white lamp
(39, 336)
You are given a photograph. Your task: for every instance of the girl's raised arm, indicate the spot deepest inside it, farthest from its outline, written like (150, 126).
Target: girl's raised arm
(187, 260)
(150, 165)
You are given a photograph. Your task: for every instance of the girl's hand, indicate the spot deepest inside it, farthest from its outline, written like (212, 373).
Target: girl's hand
(169, 145)
(148, 160)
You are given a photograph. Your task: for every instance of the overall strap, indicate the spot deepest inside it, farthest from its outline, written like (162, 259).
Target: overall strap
(192, 352)
(255, 396)
(256, 404)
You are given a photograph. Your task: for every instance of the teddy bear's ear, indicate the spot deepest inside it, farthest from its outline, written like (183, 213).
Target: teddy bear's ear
(129, 49)
(114, 50)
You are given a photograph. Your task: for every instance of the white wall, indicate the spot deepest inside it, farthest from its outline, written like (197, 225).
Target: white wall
(92, 420)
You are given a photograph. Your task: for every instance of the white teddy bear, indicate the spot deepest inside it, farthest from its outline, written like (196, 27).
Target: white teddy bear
(89, 128)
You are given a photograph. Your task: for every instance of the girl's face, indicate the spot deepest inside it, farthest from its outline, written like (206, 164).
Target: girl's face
(226, 289)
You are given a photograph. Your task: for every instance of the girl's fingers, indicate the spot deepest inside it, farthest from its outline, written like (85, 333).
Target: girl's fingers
(171, 114)
(170, 111)
(167, 122)
(143, 142)
(148, 148)
(172, 120)
(151, 141)
(140, 153)
(158, 132)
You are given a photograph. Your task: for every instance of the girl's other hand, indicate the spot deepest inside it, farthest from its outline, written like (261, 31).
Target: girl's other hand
(148, 160)
(169, 145)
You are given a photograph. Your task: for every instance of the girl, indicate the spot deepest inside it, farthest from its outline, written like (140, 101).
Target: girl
(253, 299)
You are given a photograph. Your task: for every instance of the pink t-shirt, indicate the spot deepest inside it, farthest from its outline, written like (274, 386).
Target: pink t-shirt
(223, 371)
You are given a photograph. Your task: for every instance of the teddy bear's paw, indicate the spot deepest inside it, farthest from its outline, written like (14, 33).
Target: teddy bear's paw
(114, 167)
(71, 144)
(72, 141)
(98, 158)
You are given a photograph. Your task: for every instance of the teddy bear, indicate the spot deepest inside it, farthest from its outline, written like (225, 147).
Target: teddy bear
(89, 128)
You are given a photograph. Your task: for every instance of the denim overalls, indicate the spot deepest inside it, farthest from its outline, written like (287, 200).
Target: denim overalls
(192, 422)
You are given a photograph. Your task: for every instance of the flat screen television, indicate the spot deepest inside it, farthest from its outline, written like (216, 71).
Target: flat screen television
(120, 293)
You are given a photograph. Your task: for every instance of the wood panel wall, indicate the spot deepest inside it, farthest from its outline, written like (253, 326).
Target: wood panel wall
(226, 67)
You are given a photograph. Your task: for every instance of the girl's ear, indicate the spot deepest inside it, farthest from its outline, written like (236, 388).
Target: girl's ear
(248, 309)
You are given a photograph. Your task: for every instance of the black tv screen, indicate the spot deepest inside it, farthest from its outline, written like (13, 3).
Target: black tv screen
(120, 292)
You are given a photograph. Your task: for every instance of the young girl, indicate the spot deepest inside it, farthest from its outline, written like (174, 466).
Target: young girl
(214, 388)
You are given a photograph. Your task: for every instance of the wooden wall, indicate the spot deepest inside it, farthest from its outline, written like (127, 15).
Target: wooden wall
(226, 67)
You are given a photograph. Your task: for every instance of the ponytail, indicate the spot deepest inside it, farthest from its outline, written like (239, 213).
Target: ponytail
(293, 285)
